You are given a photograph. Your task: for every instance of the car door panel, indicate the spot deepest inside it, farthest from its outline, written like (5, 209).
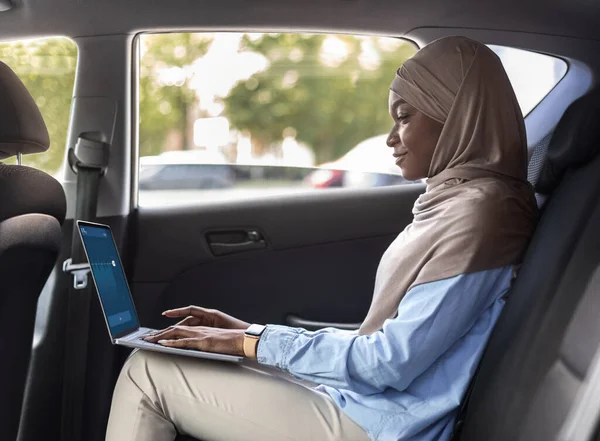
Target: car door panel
(316, 265)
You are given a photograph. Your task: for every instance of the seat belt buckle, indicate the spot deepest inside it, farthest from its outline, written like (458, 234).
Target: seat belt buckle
(80, 272)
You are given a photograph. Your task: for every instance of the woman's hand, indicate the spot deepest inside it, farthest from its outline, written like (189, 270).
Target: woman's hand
(201, 338)
(197, 316)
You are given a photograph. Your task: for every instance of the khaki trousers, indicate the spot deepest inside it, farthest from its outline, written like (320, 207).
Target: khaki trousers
(159, 395)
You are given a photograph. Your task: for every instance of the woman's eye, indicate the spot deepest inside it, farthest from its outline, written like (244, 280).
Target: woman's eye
(402, 117)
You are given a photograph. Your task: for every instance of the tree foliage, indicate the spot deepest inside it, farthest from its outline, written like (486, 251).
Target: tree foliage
(165, 100)
(330, 106)
(47, 68)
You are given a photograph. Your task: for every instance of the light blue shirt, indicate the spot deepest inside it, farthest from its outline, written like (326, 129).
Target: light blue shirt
(406, 381)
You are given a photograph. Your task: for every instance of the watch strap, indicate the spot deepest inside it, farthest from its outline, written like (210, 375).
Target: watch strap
(251, 339)
(250, 346)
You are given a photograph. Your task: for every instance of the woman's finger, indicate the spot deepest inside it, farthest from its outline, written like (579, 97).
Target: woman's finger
(189, 321)
(183, 312)
(179, 332)
(185, 343)
(173, 332)
(155, 333)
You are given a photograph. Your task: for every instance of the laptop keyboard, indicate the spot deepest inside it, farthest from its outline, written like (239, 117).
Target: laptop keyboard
(142, 342)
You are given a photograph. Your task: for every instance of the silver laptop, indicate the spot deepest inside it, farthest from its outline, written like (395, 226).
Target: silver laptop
(115, 297)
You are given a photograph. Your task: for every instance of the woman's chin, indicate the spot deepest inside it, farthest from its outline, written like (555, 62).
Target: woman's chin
(408, 174)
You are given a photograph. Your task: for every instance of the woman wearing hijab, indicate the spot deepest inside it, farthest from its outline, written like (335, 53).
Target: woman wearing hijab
(439, 290)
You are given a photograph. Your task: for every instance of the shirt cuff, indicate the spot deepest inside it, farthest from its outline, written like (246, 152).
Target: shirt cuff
(275, 344)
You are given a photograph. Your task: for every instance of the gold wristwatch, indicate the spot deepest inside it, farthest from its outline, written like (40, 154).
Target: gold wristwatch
(251, 338)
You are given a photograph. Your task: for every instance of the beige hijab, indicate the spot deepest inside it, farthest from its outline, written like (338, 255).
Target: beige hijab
(479, 211)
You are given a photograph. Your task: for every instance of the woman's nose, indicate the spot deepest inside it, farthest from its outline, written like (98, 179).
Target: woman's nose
(392, 138)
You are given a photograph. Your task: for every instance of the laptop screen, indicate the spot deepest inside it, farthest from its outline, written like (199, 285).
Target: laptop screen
(110, 279)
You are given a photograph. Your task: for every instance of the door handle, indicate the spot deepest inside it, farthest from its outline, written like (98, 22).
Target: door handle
(314, 325)
(235, 241)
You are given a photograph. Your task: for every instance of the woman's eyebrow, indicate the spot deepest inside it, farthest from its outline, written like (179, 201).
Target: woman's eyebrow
(397, 104)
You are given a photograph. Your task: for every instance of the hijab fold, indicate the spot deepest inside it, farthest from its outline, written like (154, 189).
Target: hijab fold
(478, 211)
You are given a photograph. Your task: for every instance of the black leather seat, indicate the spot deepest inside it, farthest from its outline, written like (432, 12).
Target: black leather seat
(32, 208)
(538, 353)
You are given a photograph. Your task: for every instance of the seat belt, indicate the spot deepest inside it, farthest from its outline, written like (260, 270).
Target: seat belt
(89, 160)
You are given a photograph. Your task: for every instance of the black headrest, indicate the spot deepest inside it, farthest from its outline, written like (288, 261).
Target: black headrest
(575, 142)
(25, 190)
(22, 127)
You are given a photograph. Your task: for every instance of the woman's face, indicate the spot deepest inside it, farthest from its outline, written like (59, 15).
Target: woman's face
(413, 138)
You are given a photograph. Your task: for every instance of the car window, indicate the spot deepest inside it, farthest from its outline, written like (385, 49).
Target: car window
(47, 68)
(280, 113)
(531, 74)
(257, 114)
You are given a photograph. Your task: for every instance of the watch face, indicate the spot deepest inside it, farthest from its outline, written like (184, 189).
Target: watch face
(255, 330)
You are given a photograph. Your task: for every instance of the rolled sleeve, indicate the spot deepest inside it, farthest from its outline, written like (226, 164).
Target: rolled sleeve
(275, 344)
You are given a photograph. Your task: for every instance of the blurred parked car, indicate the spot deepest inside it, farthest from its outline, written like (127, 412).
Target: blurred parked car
(186, 169)
(374, 160)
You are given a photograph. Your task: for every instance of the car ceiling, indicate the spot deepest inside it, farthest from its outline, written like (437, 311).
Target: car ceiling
(77, 18)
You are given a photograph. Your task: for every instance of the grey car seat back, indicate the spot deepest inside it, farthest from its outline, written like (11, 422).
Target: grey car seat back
(525, 357)
(32, 208)
(558, 386)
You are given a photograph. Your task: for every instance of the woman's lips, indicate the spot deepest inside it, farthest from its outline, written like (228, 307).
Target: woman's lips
(399, 158)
